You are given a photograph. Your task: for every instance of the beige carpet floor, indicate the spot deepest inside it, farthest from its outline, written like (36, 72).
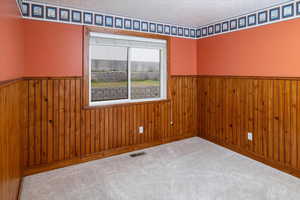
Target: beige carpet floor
(191, 169)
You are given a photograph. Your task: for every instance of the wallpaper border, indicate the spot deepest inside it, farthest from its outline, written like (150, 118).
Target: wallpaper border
(53, 13)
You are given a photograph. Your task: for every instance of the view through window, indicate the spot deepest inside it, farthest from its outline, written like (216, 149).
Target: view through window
(126, 69)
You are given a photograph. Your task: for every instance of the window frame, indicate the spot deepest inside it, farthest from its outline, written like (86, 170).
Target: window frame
(86, 97)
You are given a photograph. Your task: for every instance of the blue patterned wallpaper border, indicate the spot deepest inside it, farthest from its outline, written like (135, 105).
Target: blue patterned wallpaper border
(47, 12)
(278, 13)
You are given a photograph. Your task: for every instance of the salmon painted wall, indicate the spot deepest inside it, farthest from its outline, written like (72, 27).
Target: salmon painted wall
(183, 56)
(55, 49)
(11, 40)
(52, 49)
(270, 50)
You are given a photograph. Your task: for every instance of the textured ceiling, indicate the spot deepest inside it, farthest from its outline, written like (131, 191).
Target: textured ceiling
(192, 13)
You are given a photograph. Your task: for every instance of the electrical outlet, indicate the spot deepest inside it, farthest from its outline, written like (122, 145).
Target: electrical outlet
(250, 136)
(141, 130)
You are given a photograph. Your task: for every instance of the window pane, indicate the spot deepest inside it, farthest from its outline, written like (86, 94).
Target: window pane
(109, 73)
(145, 73)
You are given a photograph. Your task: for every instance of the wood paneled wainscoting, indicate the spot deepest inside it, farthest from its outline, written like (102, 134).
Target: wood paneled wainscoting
(59, 131)
(230, 107)
(62, 132)
(13, 100)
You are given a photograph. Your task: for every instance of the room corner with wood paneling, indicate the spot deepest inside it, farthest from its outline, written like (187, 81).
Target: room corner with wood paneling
(232, 107)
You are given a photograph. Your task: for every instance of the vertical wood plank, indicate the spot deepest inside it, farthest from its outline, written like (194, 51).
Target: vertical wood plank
(67, 122)
(31, 119)
(62, 120)
(72, 122)
(92, 131)
(282, 95)
(287, 123)
(78, 117)
(276, 121)
(44, 120)
(38, 125)
(50, 121)
(87, 132)
(293, 130)
(56, 119)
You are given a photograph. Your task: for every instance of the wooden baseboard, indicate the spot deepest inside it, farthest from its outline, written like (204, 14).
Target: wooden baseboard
(113, 152)
(276, 165)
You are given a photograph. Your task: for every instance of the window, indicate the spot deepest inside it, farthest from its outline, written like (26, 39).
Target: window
(124, 69)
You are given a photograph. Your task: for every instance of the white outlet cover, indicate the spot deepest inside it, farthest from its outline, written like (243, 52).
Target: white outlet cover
(250, 136)
(141, 129)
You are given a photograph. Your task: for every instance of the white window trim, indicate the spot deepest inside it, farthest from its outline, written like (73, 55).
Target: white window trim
(163, 71)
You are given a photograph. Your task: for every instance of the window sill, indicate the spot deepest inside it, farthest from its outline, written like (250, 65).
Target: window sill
(92, 107)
